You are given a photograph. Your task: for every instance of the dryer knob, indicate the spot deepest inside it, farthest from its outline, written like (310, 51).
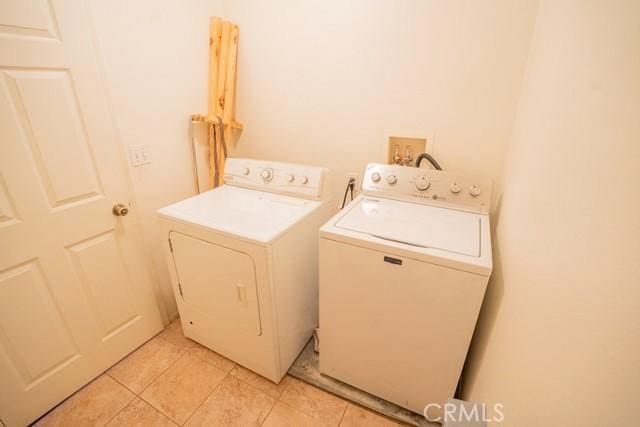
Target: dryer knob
(267, 174)
(304, 179)
(245, 171)
(290, 177)
(474, 190)
(375, 177)
(422, 183)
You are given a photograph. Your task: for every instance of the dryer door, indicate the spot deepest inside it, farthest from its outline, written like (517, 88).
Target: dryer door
(217, 281)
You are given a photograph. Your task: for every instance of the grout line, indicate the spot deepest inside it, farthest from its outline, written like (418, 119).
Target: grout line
(156, 379)
(159, 410)
(211, 363)
(123, 385)
(286, 386)
(123, 408)
(206, 398)
(344, 413)
(184, 351)
(161, 374)
(290, 406)
(269, 413)
(256, 388)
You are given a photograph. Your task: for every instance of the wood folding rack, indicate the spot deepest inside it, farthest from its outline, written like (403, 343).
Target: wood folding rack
(220, 120)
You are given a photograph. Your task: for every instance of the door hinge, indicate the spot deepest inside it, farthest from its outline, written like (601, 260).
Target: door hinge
(170, 245)
(180, 288)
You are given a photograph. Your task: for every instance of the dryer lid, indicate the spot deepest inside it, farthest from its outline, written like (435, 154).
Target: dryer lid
(415, 224)
(254, 215)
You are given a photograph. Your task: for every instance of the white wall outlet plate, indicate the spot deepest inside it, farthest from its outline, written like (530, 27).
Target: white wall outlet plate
(355, 175)
(356, 189)
(139, 155)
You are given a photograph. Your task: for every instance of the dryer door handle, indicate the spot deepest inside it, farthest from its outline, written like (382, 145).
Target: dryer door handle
(241, 289)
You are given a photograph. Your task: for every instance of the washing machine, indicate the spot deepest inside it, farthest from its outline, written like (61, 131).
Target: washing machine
(403, 271)
(243, 260)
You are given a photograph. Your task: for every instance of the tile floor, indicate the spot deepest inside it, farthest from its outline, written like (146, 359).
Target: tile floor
(172, 380)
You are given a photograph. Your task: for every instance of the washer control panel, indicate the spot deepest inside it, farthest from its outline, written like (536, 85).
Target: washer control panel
(429, 186)
(298, 180)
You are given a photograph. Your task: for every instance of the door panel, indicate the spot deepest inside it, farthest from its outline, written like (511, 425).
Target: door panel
(33, 18)
(35, 344)
(8, 214)
(218, 282)
(100, 266)
(75, 294)
(49, 117)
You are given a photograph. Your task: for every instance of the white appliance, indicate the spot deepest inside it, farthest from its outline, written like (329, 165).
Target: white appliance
(403, 271)
(243, 260)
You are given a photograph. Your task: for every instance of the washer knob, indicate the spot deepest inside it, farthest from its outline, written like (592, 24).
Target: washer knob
(474, 190)
(304, 179)
(391, 179)
(455, 187)
(267, 174)
(290, 177)
(245, 171)
(422, 183)
(375, 177)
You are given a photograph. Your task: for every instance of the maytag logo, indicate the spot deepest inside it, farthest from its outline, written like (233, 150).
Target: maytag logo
(392, 260)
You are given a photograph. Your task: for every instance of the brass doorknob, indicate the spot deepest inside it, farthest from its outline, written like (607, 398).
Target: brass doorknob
(120, 210)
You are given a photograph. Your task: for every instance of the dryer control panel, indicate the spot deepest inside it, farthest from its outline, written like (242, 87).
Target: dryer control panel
(309, 182)
(429, 186)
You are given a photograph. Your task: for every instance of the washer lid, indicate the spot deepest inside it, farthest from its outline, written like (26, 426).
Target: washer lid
(415, 224)
(255, 215)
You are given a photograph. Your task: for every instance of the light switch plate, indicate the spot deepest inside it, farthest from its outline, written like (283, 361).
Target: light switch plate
(139, 155)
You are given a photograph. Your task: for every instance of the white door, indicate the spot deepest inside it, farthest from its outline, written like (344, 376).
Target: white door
(75, 295)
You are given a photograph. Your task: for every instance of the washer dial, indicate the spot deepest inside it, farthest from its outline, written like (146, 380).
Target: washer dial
(474, 190)
(391, 179)
(267, 174)
(455, 188)
(422, 183)
(375, 177)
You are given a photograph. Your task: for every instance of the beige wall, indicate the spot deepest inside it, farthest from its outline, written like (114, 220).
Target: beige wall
(319, 83)
(559, 340)
(322, 82)
(156, 61)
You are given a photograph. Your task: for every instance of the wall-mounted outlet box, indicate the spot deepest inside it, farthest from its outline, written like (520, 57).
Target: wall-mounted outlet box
(355, 176)
(356, 189)
(418, 140)
(404, 149)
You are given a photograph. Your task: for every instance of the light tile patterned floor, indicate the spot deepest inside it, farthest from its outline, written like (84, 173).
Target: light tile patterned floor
(172, 380)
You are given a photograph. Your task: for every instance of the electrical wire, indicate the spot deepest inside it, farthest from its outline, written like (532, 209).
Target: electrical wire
(344, 199)
(350, 185)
